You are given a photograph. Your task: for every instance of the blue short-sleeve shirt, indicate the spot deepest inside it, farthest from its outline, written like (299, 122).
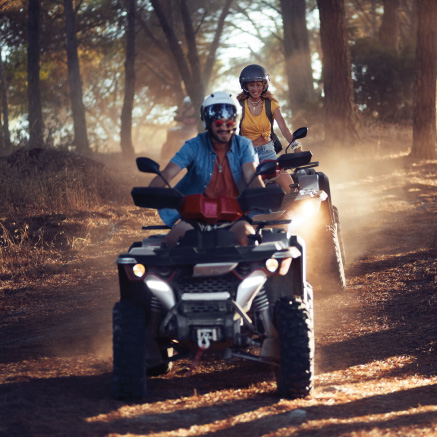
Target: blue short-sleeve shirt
(198, 157)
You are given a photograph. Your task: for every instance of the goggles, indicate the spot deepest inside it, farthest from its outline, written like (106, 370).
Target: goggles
(229, 124)
(220, 111)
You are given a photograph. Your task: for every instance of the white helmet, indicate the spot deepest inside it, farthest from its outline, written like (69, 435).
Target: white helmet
(217, 106)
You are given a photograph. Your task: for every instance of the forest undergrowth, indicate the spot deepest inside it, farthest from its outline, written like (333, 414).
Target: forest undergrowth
(53, 203)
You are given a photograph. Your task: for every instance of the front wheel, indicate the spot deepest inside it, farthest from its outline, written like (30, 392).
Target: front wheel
(293, 320)
(129, 349)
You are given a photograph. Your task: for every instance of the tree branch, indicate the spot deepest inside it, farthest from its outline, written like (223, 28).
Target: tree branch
(216, 41)
(193, 56)
(174, 44)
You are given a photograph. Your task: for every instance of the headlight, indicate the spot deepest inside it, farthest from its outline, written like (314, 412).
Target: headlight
(309, 208)
(278, 265)
(138, 270)
(272, 265)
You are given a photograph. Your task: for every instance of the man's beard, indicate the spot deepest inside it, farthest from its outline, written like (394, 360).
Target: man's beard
(218, 140)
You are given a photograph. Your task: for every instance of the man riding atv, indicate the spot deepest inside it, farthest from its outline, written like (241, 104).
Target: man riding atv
(219, 163)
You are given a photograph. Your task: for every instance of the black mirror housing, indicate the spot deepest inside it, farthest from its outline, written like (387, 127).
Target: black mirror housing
(300, 133)
(147, 165)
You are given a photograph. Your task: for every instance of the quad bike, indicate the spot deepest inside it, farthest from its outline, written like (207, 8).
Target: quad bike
(208, 294)
(314, 217)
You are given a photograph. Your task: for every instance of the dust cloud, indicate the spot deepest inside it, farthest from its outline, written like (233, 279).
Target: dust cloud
(367, 183)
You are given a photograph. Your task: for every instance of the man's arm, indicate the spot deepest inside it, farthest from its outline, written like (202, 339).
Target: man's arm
(248, 172)
(169, 173)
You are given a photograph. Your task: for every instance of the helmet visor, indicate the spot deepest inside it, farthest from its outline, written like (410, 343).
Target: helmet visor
(220, 111)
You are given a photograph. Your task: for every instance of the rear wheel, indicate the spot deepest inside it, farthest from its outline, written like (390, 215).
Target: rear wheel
(328, 261)
(129, 344)
(339, 234)
(295, 376)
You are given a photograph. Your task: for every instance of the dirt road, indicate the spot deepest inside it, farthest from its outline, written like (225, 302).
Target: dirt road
(375, 345)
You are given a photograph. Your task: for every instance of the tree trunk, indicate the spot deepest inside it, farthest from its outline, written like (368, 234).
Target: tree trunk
(74, 80)
(297, 56)
(373, 16)
(4, 90)
(189, 66)
(337, 80)
(424, 118)
(34, 94)
(389, 30)
(127, 147)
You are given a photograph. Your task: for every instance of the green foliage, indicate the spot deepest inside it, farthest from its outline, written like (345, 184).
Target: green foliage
(383, 81)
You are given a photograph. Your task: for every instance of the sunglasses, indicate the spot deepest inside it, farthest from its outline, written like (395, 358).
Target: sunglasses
(230, 124)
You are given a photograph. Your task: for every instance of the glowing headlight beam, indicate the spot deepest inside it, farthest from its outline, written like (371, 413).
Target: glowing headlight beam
(157, 285)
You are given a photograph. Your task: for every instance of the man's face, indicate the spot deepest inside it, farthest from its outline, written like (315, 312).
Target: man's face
(222, 130)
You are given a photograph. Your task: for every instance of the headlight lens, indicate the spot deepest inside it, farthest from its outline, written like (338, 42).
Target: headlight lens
(139, 270)
(272, 265)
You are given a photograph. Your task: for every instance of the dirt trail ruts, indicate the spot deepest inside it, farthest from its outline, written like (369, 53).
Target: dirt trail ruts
(375, 345)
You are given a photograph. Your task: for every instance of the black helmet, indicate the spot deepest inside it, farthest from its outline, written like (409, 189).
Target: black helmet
(254, 73)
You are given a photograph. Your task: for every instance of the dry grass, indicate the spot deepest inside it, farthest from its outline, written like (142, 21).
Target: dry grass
(52, 201)
(42, 180)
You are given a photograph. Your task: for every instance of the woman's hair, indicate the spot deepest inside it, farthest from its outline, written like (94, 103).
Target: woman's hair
(266, 95)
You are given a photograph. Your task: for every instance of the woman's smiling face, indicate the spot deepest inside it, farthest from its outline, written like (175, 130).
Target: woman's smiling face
(255, 89)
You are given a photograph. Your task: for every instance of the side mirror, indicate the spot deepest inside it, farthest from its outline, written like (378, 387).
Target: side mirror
(300, 133)
(147, 165)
